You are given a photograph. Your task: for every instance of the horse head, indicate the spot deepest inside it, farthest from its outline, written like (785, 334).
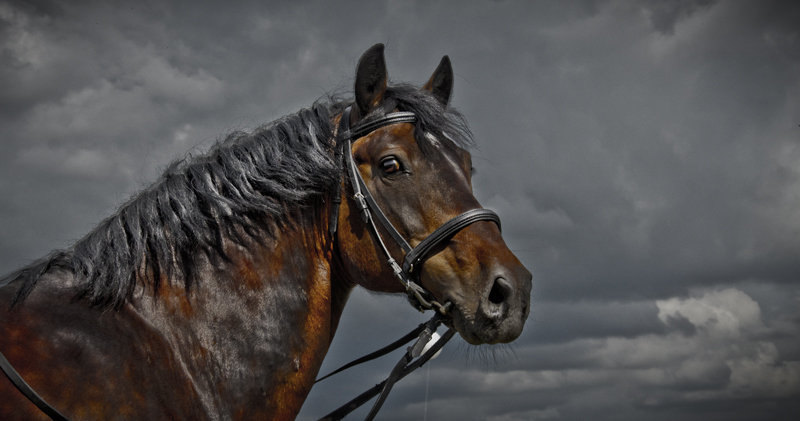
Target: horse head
(418, 173)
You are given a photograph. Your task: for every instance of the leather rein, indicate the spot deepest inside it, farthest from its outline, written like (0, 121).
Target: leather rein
(407, 273)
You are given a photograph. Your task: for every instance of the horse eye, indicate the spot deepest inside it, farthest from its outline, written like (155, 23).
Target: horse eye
(391, 165)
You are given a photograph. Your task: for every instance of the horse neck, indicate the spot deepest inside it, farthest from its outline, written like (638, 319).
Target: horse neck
(258, 324)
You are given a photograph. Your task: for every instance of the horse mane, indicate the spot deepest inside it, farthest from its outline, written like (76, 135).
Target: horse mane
(241, 190)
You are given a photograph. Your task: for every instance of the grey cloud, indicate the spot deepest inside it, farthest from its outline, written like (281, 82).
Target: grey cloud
(563, 321)
(665, 15)
(655, 372)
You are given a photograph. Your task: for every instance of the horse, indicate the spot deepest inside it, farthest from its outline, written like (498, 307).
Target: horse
(214, 293)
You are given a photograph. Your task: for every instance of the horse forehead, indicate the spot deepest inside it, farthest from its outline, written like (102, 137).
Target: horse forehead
(450, 156)
(394, 136)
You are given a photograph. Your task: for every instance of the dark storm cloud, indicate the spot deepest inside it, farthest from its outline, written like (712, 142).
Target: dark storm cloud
(643, 157)
(615, 151)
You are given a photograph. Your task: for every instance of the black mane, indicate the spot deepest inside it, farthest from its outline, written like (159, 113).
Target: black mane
(246, 185)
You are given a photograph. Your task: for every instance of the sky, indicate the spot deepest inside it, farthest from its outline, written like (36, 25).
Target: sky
(644, 158)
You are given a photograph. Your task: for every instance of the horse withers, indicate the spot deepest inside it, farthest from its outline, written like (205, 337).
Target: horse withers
(215, 293)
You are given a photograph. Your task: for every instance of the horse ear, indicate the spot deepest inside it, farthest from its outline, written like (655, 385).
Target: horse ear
(371, 78)
(441, 82)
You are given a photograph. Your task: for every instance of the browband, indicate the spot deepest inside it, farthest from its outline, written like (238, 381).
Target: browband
(370, 126)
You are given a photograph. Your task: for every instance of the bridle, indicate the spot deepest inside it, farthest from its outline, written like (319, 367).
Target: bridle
(415, 257)
(407, 273)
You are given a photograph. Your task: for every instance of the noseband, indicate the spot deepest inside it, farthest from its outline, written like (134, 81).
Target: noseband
(408, 273)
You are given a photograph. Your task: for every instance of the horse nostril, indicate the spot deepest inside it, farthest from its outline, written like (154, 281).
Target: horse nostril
(500, 291)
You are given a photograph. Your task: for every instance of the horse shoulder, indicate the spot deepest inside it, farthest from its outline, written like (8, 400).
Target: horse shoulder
(88, 362)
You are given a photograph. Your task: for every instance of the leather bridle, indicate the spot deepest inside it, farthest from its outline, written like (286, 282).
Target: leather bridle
(407, 273)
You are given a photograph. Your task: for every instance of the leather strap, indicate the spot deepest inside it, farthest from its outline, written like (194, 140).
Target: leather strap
(403, 368)
(28, 391)
(372, 125)
(381, 217)
(377, 354)
(444, 233)
(358, 184)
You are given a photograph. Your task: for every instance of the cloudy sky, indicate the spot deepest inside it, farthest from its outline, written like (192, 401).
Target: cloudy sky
(644, 157)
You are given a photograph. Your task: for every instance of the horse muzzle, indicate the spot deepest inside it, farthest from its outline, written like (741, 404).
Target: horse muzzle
(500, 313)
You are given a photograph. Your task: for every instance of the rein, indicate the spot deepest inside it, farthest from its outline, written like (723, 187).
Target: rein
(423, 350)
(28, 391)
